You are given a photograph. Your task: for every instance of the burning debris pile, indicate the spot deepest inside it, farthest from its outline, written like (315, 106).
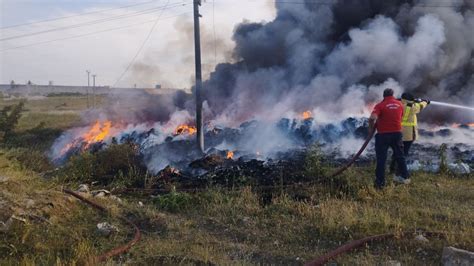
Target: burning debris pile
(244, 154)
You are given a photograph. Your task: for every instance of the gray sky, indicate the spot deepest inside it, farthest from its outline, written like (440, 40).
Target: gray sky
(167, 58)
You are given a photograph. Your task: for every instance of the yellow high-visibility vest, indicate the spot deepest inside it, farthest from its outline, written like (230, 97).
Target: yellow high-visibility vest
(410, 110)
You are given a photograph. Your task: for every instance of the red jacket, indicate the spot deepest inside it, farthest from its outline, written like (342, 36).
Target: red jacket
(389, 115)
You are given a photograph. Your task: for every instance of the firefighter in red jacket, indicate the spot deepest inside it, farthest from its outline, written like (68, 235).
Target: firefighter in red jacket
(387, 117)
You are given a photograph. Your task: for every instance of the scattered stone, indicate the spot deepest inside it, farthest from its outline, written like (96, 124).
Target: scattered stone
(83, 188)
(106, 229)
(30, 203)
(421, 238)
(117, 199)
(454, 256)
(459, 168)
(393, 263)
(5, 226)
(101, 193)
(140, 204)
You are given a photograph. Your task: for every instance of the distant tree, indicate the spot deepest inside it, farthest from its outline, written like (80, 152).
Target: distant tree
(9, 117)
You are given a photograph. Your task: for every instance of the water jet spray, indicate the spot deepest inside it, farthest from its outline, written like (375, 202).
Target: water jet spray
(450, 105)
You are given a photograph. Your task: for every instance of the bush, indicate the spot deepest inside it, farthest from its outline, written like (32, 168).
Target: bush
(31, 159)
(9, 117)
(38, 138)
(120, 164)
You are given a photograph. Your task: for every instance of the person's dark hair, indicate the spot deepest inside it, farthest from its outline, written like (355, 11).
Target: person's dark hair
(387, 92)
(408, 96)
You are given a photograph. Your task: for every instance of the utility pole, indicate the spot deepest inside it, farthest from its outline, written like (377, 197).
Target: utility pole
(88, 85)
(197, 53)
(93, 89)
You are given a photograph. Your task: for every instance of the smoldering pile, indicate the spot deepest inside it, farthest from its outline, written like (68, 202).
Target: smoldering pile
(257, 151)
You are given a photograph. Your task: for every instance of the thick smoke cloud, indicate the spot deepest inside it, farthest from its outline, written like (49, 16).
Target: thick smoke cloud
(331, 57)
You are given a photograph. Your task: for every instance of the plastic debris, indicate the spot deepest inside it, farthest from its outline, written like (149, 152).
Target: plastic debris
(459, 168)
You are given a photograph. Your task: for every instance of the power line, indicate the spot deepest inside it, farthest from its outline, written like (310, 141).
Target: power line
(307, 2)
(76, 15)
(141, 46)
(143, 12)
(92, 33)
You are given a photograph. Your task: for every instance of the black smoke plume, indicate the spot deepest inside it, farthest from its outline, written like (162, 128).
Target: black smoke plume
(336, 56)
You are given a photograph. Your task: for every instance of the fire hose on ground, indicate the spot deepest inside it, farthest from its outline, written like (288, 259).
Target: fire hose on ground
(360, 242)
(118, 250)
(355, 157)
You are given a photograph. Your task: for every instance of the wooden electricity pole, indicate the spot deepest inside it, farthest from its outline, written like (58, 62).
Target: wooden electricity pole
(197, 52)
(88, 87)
(93, 90)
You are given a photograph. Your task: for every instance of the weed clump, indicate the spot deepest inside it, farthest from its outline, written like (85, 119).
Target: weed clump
(174, 202)
(119, 164)
(314, 162)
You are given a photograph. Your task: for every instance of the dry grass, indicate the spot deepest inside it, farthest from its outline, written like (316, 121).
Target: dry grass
(234, 227)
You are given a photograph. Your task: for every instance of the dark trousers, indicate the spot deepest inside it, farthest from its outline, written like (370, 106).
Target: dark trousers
(382, 142)
(406, 152)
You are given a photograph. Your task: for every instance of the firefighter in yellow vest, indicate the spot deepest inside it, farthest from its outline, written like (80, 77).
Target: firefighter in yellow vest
(411, 108)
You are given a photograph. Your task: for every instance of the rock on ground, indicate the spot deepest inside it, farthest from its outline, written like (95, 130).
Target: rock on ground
(459, 257)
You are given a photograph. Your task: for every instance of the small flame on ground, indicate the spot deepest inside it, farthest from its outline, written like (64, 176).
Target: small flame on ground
(306, 115)
(456, 125)
(185, 129)
(230, 155)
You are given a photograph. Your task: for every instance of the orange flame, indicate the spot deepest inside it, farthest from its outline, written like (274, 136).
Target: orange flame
(230, 155)
(456, 125)
(98, 132)
(306, 115)
(185, 129)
